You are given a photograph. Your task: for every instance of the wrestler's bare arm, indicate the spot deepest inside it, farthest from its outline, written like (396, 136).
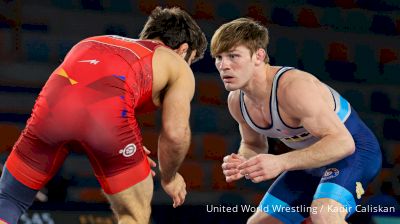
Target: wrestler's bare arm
(174, 138)
(301, 99)
(252, 143)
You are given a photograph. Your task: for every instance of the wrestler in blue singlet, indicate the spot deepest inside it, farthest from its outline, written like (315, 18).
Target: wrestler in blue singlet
(343, 181)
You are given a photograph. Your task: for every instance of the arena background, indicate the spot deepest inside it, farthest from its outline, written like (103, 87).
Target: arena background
(352, 45)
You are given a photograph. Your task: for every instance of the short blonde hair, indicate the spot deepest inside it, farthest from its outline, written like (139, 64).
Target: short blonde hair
(244, 31)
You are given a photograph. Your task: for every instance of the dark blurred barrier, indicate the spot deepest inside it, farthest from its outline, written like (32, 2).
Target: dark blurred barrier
(160, 214)
(62, 217)
(83, 213)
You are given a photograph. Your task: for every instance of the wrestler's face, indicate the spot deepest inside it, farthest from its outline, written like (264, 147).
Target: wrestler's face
(236, 67)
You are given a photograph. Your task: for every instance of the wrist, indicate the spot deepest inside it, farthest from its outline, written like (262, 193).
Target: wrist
(167, 178)
(285, 162)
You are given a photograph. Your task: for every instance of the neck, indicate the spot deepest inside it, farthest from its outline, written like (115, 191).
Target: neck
(258, 89)
(157, 40)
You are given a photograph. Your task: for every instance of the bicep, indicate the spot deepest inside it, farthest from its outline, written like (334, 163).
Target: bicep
(305, 102)
(321, 122)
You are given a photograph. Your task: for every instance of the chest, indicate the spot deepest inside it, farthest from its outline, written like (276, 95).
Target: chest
(264, 116)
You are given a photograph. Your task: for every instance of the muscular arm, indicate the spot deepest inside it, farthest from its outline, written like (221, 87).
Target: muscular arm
(304, 101)
(175, 134)
(252, 143)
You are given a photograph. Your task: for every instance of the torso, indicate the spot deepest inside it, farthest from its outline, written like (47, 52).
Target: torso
(273, 120)
(123, 65)
(262, 116)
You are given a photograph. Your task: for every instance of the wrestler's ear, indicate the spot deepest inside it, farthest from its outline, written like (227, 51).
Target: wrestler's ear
(260, 56)
(182, 49)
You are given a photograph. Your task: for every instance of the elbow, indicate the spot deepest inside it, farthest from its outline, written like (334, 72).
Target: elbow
(349, 146)
(177, 135)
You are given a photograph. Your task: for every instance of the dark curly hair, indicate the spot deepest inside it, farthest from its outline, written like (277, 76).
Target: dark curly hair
(174, 26)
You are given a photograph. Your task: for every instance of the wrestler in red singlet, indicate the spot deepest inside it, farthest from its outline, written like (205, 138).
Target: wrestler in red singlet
(89, 104)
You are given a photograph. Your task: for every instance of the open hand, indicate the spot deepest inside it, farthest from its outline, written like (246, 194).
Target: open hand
(151, 162)
(230, 167)
(176, 189)
(262, 167)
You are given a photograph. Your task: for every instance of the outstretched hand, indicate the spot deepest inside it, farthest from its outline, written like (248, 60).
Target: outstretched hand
(176, 189)
(230, 167)
(262, 167)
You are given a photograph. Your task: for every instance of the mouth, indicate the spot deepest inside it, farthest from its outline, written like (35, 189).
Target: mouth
(227, 78)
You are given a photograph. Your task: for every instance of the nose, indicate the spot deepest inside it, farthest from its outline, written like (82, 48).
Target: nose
(222, 64)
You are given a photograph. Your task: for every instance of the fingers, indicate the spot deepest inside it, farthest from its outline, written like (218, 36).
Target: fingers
(231, 161)
(152, 164)
(250, 170)
(236, 166)
(146, 150)
(254, 174)
(230, 165)
(227, 158)
(182, 196)
(250, 162)
(259, 179)
(232, 178)
(179, 198)
(151, 161)
(233, 157)
(176, 189)
(239, 157)
(177, 201)
(232, 175)
(230, 172)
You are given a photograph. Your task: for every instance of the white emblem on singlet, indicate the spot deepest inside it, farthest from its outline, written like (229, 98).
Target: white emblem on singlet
(129, 150)
(92, 61)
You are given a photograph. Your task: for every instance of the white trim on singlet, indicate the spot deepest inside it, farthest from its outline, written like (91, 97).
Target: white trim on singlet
(275, 118)
(113, 46)
(130, 40)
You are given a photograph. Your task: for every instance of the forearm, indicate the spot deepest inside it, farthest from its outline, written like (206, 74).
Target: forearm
(171, 153)
(326, 151)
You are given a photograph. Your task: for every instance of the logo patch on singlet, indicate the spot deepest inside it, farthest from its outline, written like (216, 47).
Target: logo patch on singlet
(92, 61)
(330, 173)
(128, 151)
(297, 138)
(359, 190)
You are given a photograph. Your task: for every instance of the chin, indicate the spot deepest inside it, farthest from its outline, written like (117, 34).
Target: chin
(229, 87)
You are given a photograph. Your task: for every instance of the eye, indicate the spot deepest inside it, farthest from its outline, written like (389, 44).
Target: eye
(218, 58)
(233, 56)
